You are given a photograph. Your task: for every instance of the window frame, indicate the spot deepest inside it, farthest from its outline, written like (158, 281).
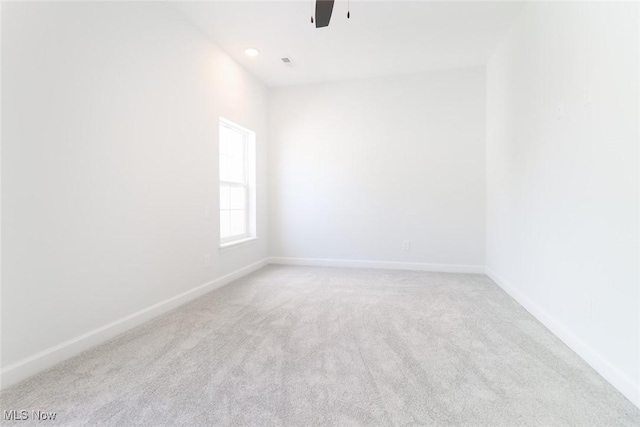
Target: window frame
(247, 184)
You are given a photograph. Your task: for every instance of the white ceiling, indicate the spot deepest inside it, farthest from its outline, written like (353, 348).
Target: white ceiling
(381, 38)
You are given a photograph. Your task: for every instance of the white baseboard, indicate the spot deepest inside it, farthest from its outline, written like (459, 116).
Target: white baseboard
(613, 375)
(27, 367)
(30, 366)
(386, 265)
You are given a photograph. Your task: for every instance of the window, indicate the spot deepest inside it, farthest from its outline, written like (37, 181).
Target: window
(237, 183)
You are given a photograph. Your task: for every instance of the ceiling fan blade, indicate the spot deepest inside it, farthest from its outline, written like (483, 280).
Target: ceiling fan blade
(324, 8)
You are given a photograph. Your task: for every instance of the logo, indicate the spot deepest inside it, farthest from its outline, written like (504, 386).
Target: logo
(23, 415)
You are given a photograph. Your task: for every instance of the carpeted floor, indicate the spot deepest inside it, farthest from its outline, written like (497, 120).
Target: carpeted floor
(301, 346)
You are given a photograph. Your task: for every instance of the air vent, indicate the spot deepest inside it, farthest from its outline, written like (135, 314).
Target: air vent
(286, 60)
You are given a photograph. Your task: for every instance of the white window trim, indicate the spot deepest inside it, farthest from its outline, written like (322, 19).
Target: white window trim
(238, 243)
(238, 237)
(250, 235)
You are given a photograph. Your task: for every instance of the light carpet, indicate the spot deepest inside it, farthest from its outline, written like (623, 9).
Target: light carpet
(300, 346)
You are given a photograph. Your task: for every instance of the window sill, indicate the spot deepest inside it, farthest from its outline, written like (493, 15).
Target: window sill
(238, 244)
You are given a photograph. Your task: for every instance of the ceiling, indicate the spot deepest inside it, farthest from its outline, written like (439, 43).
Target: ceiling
(381, 38)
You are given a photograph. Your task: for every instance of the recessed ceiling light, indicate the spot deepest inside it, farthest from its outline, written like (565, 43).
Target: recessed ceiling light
(252, 52)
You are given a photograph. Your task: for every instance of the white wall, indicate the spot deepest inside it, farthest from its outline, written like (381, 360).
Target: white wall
(357, 167)
(562, 177)
(109, 157)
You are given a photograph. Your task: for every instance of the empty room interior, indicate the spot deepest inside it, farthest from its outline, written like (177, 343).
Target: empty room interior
(320, 212)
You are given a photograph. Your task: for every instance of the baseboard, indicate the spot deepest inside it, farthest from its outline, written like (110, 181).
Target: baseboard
(386, 265)
(30, 366)
(613, 375)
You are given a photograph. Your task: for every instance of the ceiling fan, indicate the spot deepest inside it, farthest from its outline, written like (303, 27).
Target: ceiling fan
(324, 9)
